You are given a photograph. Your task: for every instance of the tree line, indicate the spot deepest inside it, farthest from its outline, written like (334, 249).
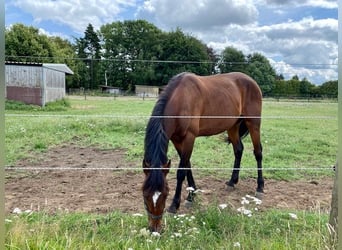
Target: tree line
(128, 53)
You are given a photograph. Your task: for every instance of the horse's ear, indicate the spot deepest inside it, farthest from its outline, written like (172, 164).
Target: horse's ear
(146, 167)
(166, 168)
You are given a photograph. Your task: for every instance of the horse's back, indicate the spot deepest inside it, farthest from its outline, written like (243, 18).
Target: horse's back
(229, 89)
(239, 82)
(199, 97)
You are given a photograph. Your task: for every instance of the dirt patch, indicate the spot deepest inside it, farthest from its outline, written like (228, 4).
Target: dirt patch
(104, 190)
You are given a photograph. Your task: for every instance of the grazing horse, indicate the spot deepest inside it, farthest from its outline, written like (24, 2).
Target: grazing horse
(192, 106)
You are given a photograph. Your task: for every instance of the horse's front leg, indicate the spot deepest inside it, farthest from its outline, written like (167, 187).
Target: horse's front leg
(192, 188)
(184, 150)
(177, 197)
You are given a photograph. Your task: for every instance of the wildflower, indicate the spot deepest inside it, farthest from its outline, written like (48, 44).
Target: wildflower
(137, 215)
(245, 211)
(17, 211)
(237, 244)
(293, 216)
(252, 198)
(191, 189)
(192, 230)
(144, 232)
(244, 201)
(155, 234)
(178, 235)
(28, 211)
(223, 206)
(257, 201)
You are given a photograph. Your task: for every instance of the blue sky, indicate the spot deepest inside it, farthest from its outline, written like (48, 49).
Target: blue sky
(292, 34)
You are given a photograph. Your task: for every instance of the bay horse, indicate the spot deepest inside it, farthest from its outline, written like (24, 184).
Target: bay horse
(192, 106)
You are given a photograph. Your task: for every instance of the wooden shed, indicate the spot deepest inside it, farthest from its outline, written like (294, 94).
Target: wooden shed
(111, 90)
(35, 83)
(147, 91)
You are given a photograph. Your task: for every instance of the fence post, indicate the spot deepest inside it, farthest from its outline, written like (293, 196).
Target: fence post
(333, 220)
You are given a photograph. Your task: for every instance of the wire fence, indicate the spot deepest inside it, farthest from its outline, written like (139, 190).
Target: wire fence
(248, 169)
(146, 117)
(176, 116)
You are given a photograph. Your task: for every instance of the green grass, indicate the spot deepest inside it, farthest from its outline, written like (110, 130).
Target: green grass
(60, 105)
(287, 143)
(213, 228)
(293, 134)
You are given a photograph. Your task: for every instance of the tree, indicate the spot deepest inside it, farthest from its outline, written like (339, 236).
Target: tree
(26, 44)
(260, 69)
(305, 88)
(232, 60)
(130, 47)
(137, 52)
(279, 88)
(88, 49)
(185, 53)
(329, 89)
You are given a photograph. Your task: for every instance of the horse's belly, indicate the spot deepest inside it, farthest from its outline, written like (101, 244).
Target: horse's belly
(214, 126)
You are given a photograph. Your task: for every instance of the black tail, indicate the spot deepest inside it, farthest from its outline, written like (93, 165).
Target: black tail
(243, 130)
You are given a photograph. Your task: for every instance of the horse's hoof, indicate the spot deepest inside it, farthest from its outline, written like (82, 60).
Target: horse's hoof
(259, 195)
(230, 187)
(188, 204)
(172, 210)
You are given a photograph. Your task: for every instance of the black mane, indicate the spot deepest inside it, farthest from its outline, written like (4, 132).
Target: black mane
(156, 140)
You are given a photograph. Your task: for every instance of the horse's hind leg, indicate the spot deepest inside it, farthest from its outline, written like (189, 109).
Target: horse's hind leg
(254, 130)
(234, 138)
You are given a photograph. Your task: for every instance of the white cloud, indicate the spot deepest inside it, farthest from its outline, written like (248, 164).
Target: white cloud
(198, 15)
(325, 4)
(219, 23)
(297, 45)
(316, 76)
(74, 13)
(307, 28)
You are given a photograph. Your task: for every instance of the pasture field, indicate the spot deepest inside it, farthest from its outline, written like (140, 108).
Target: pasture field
(295, 136)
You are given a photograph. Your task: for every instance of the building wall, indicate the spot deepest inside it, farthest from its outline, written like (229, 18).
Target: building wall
(34, 84)
(23, 76)
(23, 83)
(54, 82)
(146, 91)
(27, 95)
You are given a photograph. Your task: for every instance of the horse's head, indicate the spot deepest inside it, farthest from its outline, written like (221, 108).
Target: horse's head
(155, 191)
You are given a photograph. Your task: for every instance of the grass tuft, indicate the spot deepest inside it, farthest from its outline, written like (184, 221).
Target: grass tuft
(212, 227)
